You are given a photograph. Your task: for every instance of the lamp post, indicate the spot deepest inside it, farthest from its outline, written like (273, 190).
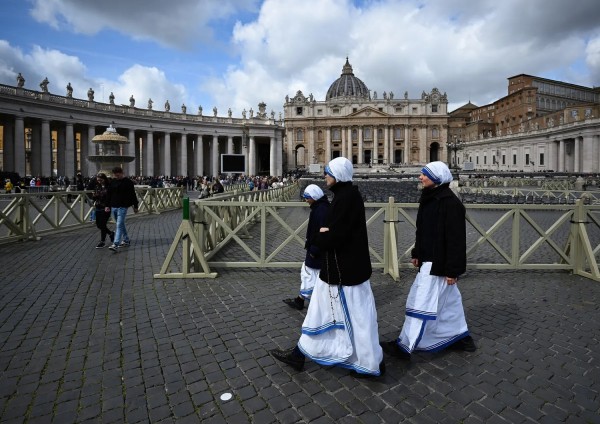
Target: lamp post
(454, 146)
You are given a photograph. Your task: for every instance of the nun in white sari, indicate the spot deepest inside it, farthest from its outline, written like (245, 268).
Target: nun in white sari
(435, 318)
(340, 327)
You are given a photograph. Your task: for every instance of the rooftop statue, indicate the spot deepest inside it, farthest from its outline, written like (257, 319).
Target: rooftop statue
(131, 101)
(215, 111)
(90, 94)
(69, 90)
(44, 85)
(20, 80)
(167, 106)
(150, 102)
(111, 98)
(183, 109)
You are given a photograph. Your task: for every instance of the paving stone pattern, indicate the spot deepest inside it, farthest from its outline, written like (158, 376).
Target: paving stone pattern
(88, 335)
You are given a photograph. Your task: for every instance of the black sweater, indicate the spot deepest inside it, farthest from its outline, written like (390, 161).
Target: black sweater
(441, 232)
(121, 193)
(345, 245)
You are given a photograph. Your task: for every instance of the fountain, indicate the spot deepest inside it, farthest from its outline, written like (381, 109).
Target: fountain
(110, 151)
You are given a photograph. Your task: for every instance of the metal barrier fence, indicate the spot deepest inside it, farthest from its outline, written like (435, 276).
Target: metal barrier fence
(26, 216)
(269, 233)
(526, 195)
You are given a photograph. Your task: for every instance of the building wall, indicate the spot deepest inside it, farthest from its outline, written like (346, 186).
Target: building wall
(375, 131)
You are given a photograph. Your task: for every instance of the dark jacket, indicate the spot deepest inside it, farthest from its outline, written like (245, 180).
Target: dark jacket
(441, 232)
(121, 193)
(345, 245)
(317, 219)
(100, 196)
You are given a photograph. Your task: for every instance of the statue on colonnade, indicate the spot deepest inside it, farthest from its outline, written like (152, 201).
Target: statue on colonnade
(20, 81)
(44, 85)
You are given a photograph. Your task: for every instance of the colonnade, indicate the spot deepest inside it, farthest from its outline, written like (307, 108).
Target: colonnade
(44, 134)
(570, 148)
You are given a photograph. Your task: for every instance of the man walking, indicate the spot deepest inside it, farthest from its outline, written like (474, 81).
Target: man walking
(121, 195)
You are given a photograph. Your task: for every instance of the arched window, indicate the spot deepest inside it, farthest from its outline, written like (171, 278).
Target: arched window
(367, 134)
(435, 132)
(320, 136)
(354, 134)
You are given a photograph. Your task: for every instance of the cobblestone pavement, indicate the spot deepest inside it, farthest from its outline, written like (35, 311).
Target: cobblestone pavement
(88, 335)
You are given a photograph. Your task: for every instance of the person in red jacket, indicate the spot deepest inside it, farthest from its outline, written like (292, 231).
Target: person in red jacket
(340, 327)
(435, 318)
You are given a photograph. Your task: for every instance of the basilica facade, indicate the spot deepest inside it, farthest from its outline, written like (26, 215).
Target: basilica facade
(368, 129)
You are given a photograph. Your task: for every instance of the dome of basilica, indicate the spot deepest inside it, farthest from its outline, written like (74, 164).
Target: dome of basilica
(347, 85)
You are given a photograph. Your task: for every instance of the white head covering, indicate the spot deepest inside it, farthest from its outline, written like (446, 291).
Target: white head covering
(437, 172)
(313, 191)
(340, 168)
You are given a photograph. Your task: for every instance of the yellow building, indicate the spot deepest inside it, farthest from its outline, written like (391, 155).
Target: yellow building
(368, 129)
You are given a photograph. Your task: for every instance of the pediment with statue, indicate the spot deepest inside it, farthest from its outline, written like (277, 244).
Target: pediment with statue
(368, 112)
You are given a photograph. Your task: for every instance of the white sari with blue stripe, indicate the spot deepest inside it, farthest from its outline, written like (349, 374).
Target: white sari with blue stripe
(435, 317)
(346, 336)
(308, 277)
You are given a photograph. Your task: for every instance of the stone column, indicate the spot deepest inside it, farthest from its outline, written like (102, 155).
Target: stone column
(273, 158)
(93, 167)
(360, 157)
(129, 150)
(70, 152)
(577, 162)
(386, 146)
(214, 155)
(374, 155)
(230, 145)
(199, 150)
(183, 156)
(20, 146)
(343, 134)
(84, 152)
(46, 149)
(424, 150)
(327, 157)
(588, 154)
(167, 155)
(350, 141)
(561, 156)
(251, 157)
(35, 158)
(279, 145)
(149, 154)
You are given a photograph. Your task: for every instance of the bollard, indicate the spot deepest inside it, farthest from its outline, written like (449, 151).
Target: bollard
(186, 208)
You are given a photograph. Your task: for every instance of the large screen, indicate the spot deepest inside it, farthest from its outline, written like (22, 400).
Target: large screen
(235, 164)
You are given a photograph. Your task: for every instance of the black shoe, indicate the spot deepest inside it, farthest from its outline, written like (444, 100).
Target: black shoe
(466, 344)
(392, 349)
(292, 357)
(296, 303)
(100, 245)
(112, 236)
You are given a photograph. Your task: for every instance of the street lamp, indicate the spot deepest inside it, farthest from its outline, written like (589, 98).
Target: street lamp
(455, 146)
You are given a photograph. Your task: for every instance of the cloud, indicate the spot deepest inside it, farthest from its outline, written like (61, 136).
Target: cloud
(463, 48)
(176, 24)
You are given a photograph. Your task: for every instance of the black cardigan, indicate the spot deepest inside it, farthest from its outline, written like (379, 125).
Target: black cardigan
(346, 239)
(445, 244)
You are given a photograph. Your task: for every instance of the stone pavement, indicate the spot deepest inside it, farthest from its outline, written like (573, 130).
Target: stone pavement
(88, 335)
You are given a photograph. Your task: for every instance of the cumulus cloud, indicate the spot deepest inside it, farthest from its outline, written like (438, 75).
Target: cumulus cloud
(463, 48)
(176, 23)
(466, 49)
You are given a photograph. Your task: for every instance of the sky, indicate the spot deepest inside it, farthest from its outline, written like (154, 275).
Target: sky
(238, 53)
